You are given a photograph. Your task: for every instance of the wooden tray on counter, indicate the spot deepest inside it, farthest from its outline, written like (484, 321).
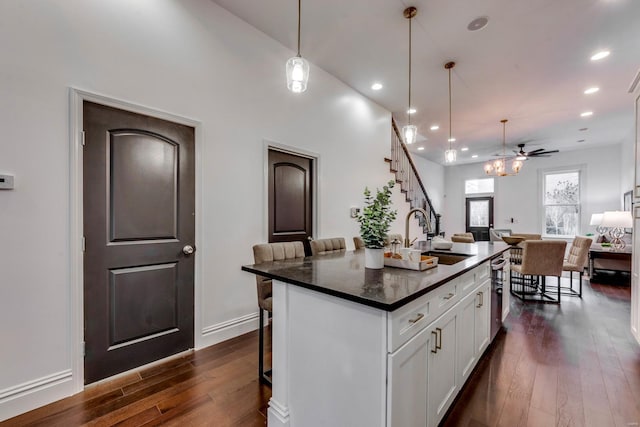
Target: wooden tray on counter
(426, 263)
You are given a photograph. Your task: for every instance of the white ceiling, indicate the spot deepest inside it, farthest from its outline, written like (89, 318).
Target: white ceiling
(530, 65)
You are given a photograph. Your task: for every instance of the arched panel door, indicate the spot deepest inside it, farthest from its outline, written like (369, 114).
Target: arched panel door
(290, 198)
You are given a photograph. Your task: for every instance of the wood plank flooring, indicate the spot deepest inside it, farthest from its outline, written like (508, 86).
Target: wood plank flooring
(570, 365)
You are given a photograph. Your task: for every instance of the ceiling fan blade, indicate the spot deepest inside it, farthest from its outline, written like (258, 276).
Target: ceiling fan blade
(537, 150)
(544, 152)
(540, 155)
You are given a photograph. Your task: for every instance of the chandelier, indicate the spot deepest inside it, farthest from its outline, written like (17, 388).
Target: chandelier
(499, 167)
(410, 132)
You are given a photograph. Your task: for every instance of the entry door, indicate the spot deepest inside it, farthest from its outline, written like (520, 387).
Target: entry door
(479, 217)
(290, 198)
(139, 229)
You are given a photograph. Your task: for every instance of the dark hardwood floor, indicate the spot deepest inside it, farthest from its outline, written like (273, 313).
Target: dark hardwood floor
(570, 365)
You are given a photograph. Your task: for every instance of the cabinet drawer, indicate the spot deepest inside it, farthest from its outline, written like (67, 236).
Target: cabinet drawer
(407, 321)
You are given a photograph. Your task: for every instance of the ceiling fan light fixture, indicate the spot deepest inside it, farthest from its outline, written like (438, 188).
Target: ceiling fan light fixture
(297, 67)
(499, 167)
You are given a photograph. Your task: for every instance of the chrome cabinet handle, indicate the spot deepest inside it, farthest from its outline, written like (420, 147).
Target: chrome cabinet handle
(415, 319)
(481, 303)
(449, 296)
(188, 250)
(435, 342)
(439, 344)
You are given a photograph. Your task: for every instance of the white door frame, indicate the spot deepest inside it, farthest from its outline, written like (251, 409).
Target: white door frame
(76, 220)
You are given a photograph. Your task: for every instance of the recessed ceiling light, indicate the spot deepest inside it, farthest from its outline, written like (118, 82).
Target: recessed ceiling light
(580, 140)
(376, 86)
(591, 90)
(411, 111)
(586, 114)
(434, 127)
(475, 156)
(451, 140)
(420, 148)
(464, 149)
(583, 129)
(600, 55)
(478, 23)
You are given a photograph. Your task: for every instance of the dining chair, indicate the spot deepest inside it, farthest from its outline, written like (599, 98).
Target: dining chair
(266, 252)
(540, 258)
(358, 243)
(576, 261)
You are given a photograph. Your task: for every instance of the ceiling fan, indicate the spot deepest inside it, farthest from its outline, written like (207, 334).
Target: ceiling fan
(539, 152)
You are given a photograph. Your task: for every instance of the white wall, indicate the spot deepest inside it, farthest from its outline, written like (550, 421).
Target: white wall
(189, 58)
(519, 197)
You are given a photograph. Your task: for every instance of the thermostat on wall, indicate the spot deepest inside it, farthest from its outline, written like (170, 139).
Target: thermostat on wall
(6, 182)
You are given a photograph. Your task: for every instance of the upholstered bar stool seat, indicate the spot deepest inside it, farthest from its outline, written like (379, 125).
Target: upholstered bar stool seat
(266, 252)
(323, 246)
(463, 238)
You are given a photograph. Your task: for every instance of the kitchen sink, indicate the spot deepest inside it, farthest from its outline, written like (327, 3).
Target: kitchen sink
(447, 258)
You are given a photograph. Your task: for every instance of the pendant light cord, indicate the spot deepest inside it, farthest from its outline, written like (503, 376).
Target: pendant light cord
(409, 108)
(299, 1)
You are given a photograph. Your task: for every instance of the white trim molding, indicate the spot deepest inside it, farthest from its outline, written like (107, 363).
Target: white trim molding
(23, 397)
(228, 329)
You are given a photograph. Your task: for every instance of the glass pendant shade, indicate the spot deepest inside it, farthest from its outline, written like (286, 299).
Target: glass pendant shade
(450, 155)
(410, 133)
(488, 168)
(516, 166)
(297, 74)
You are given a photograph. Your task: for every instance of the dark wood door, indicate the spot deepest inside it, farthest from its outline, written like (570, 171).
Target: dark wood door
(139, 215)
(479, 217)
(290, 198)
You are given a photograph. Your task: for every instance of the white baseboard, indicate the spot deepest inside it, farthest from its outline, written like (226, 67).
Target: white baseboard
(21, 398)
(223, 331)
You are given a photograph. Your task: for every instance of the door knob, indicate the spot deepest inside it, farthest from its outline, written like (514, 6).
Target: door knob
(188, 250)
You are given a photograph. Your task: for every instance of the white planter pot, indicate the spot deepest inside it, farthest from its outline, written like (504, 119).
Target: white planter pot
(373, 258)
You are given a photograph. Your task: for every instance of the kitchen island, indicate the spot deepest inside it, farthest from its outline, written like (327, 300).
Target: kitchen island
(390, 347)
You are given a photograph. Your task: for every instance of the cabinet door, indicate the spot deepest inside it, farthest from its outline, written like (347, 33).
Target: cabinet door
(407, 382)
(482, 322)
(466, 336)
(442, 383)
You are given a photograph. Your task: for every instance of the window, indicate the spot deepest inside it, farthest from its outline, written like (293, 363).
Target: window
(561, 202)
(478, 186)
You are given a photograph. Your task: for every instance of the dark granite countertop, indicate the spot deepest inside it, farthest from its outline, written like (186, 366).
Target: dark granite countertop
(343, 275)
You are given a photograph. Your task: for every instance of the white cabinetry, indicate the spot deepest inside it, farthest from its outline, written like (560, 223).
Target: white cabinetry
(426, 372)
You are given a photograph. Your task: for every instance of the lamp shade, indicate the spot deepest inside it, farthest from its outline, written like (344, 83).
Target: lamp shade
(596, 219)
(617, 219)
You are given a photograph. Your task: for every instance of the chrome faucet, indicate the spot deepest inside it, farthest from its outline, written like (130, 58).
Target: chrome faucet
(406, 225)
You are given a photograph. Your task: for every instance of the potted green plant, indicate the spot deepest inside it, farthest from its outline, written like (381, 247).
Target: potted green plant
(375, 220)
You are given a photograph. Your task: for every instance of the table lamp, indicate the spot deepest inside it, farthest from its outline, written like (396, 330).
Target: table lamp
(596, 219)
(617, 221)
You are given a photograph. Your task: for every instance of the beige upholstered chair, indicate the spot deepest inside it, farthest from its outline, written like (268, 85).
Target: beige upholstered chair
(266, 252)
(323, 246)
(463, 238)
(358, 243)
(576, 261)
(540, 258)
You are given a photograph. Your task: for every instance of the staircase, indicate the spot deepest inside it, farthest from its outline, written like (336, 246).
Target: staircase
(411, 185)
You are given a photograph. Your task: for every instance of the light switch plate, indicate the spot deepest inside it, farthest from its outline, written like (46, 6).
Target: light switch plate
(6, 182)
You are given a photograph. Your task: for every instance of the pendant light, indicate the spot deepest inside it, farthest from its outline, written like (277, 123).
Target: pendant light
(410, 132)
(451, 154)
(297, 67)
(499, 167)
